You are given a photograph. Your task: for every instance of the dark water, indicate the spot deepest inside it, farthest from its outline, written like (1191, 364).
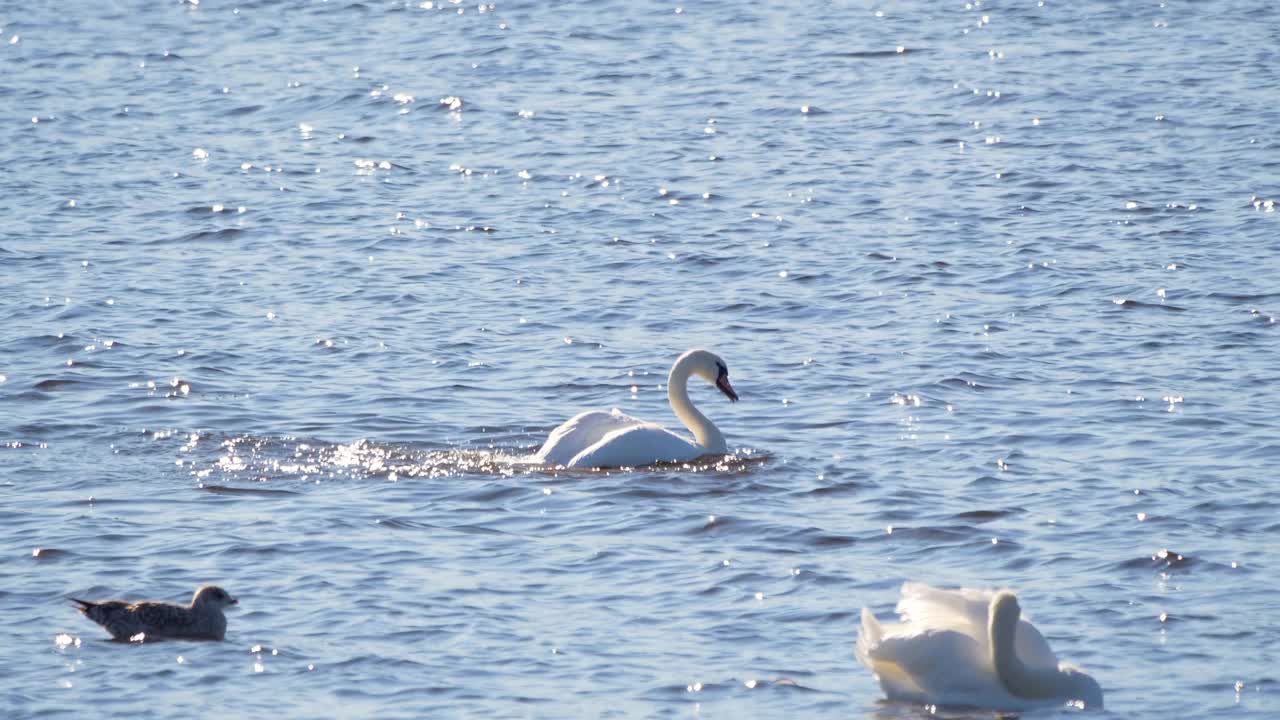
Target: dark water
(285, 285)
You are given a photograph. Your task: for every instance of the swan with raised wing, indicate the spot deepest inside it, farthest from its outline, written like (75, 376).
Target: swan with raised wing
(971, 648)
(611, 439)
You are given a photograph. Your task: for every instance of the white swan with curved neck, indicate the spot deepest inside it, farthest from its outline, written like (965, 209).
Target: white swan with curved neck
(968, 647)
(611, 439)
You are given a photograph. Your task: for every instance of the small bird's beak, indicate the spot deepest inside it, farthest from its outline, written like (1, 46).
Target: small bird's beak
(722, 383)
(233, 601)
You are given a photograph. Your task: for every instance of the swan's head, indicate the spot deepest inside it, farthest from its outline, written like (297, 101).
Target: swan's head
(708, 366)
(1005, 611)
(213, 596)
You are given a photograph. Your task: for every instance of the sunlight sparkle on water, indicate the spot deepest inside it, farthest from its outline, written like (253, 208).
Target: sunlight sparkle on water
(832, 467)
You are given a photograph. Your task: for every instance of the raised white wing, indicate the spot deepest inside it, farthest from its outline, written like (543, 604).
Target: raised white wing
(965, 610)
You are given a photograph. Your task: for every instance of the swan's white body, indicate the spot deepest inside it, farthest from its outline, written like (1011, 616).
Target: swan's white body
(611, 439)
(968, 647)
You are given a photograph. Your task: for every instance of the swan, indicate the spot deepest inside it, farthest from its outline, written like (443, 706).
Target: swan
(611, 439)
(968, 647)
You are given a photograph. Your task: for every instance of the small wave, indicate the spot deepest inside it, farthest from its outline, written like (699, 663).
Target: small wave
(872, 54)
(1245, 298)
(56, 383)
(49, 554)
(1131, 303)
(258, 492)
(402, 524)
(1163, 559)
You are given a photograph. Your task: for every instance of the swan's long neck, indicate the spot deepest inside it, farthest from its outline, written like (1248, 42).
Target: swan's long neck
(705, 432)
(1025, 682)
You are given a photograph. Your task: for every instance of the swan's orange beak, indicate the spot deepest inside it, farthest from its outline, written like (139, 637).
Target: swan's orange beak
(722, 383)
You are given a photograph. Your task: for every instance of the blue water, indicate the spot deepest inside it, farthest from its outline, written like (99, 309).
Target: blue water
(286, 285)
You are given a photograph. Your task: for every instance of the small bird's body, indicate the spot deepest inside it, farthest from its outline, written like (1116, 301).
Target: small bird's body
(202, 619)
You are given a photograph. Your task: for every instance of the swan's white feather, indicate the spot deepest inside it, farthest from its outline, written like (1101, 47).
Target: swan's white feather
(642, 444)
(940, 653)
(965, 610)
(583, 430)
(612, 439)
(938, 666)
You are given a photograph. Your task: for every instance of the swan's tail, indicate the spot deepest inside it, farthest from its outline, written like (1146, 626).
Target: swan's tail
(868, 637)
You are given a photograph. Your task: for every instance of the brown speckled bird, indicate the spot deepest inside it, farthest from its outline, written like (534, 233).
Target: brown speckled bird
(201, 620)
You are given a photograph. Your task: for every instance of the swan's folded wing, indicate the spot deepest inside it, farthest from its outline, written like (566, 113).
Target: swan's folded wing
(579, 433)
(641, 444)
(1033, 650)
(933, 666)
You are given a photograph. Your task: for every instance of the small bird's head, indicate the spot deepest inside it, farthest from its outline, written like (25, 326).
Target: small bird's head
(212, 596)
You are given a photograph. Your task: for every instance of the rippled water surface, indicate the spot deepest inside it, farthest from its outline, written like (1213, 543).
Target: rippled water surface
(287, 286)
